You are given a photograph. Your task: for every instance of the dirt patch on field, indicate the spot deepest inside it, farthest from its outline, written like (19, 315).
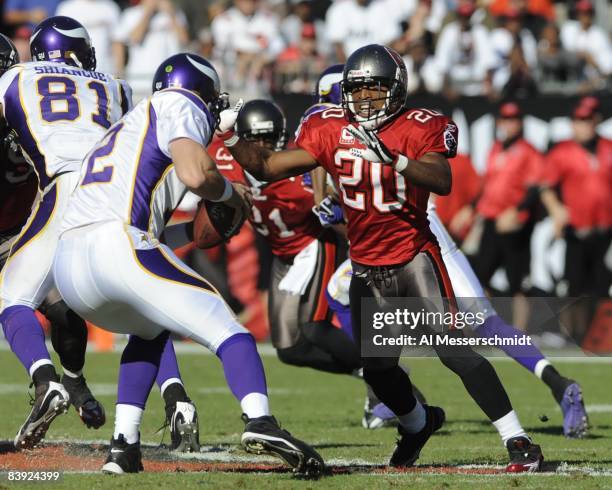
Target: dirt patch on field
(89, 457)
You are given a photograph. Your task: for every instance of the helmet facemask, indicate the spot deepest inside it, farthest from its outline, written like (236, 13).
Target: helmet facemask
(266, 135)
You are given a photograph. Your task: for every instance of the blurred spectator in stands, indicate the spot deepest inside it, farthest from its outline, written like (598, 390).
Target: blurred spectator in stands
(423, 76)
(577, 186)
(516, 56)
(590, 42)
(536, 13)
(351, 24)
(406, 10)
(21, 39)
(197, 14)
(28, 13)
(247, 39)
(292, 26)
(456, 210)
(151, 30)
(559, 70)
(463, 54)
(298, 67)
(100, 18)
(510, 192)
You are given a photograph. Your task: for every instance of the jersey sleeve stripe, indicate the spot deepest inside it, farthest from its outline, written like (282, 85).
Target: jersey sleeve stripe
(41, 217)
(199, 103)
(150, 169)
(17, 118)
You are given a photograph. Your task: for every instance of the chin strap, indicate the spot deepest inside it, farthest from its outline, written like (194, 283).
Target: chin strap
(74, 58)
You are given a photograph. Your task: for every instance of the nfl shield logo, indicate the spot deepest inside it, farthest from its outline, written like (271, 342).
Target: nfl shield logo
(346, 138)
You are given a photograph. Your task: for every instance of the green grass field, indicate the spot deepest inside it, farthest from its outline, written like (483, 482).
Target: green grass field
(326, 410)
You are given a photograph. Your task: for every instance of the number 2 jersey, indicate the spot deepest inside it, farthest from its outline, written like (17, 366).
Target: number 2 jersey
(282, 211)
(60, 112)
(129, 175)
(386, 214)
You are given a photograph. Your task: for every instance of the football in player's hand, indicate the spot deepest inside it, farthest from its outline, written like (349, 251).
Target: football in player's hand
(215, 223)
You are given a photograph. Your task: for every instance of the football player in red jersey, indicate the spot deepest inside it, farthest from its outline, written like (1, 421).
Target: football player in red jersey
(18, 191)
(385, 160)
(305, 254)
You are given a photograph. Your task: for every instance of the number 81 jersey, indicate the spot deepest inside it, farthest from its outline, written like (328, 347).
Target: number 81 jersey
(60, 112)
(386, 215)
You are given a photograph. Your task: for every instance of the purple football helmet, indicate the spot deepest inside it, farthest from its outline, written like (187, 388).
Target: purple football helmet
(8, 54)
(192, 72)
(65, 40)
(328, 85)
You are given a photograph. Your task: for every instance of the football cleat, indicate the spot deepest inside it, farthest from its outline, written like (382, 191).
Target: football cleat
(123, 457)
(525, 457)
(50, 400)
(89, 409)
(409, 445)
(575, 420)
(263, 435)
(184, 429)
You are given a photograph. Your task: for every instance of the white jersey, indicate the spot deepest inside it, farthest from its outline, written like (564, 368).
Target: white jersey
(129, 176)
(60, 112)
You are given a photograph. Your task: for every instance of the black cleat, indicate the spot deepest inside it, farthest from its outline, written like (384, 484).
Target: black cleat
(123, 457)
(263, 435)
(89, 409)
(50, 400)
(525, 456)
(184, 430)
(409, 445)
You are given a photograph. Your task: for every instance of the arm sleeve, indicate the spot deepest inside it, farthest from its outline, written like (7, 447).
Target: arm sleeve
(178, 117)
(437, 135)
(308, 138)
(552, 172)
(5, 83)
(127, 102)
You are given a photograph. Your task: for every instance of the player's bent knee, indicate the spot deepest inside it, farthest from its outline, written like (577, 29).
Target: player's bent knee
(296, 355)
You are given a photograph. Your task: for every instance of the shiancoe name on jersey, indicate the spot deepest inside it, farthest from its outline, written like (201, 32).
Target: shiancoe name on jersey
(64, 70)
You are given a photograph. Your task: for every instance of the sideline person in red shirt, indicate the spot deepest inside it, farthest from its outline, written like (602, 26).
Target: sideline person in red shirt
(581, 171)
(510, 189)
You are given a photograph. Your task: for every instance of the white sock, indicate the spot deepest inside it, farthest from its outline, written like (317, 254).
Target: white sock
(37, 364)
(70, 374)
(539, 367)
(509, 426)
(255, 405)
(168, 382)
(414, 421)
(127, 422)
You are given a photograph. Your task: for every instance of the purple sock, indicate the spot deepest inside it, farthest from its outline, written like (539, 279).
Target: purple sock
(168, 366)
(242, 365)
(343, 313)
(139, 365)
(24, 334)
(526, 355)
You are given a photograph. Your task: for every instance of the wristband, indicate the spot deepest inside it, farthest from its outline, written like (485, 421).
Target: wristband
(227, 192)
(401, 163)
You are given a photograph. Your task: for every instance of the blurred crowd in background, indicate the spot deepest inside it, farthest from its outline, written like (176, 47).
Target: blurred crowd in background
(455, 47)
